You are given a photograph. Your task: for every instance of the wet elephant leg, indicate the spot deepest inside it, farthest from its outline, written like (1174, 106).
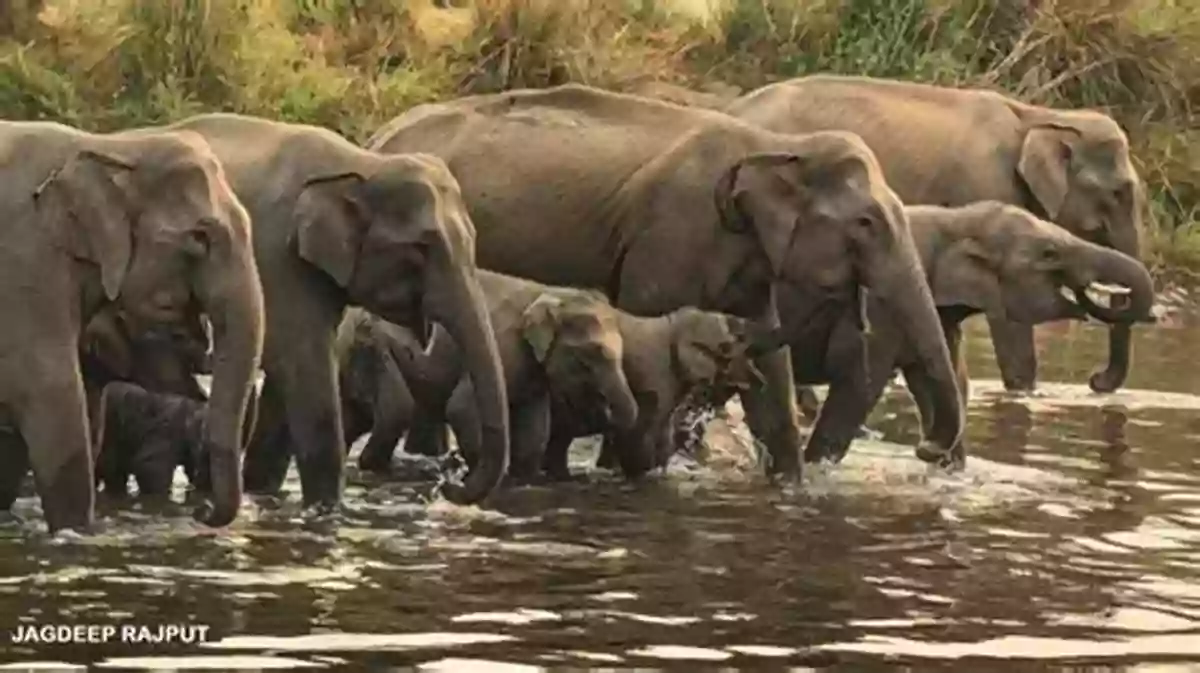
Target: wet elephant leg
(269, 451)
(1015, 353)
(14, 465)
(427, 435)
(771, 416)
(463, 418)
(55, 427)
(850, 400)
(394, 408)
(313, 411)
(154, 466)
(920, 387)
(530, 432)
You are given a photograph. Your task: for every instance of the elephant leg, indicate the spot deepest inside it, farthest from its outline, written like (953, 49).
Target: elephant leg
(921, 388)
(14, 465)
(850, 401)
(269, 450)
(154, 468)
(1119, 352)
(608, 458)
(771, 416)
(530, 433)
(55, 427)
(1015, 353)
(314, 423)
(394, 407)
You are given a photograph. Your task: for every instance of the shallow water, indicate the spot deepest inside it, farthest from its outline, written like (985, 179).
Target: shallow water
(1072, 542)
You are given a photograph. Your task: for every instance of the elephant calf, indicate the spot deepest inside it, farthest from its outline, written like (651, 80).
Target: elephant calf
(555, 343)
(677, 362)
(148, 435)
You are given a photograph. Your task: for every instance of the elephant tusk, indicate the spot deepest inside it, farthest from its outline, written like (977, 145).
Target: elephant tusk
(1109, 289)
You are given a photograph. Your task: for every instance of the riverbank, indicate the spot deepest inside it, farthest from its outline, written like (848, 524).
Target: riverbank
(350, 65)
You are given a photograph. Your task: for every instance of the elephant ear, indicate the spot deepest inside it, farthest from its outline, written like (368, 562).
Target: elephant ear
(539, 325)
(735, 193)
(107, 343)
(965, 275)
(96, 193)
(331, 221)
(1045, 164)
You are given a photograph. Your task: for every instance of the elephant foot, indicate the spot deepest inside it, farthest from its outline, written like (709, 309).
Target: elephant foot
(1105, 381)
(320, 511)
(953, 460)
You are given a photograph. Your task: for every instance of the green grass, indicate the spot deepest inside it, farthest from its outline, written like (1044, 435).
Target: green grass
(352, 64)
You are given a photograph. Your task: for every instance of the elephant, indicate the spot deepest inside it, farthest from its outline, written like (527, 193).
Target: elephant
(952, 147)
(149, 434)
(661, 206)
(165, 359)
(557, 345)
(988, 257)
(676, 363)
(141, 221)
(336, 225)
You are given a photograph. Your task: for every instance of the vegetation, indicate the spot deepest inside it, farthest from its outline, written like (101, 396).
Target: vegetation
(351, 64)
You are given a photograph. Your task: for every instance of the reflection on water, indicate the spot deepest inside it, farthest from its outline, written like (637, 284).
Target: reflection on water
(1073, 538)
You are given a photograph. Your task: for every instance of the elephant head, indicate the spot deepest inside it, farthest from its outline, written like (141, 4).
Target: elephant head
(1075, 165)
(394, 235)
(576, 338)
(153, 217)
(1003, 260)
(163, 359)
(831, 229)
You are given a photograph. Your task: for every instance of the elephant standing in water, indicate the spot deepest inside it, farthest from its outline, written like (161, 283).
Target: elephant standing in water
(337, 225)
(952, 147)
(661, 207)
(988, 257)
(556, 343)
(143, 222)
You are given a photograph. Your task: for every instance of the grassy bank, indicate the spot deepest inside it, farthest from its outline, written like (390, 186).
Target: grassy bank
(351, 64)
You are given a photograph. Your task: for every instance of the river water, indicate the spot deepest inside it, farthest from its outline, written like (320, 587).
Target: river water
(1071, 542)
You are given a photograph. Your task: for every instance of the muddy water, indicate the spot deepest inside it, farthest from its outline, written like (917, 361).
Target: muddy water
(1072, 542)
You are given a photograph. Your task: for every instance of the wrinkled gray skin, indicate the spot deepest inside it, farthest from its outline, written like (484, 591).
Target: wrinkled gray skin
(661, 207)
(337, 225)
(555, 343)
(165, 359)
(682, 361)
(144, 221)
(990, 258)
(148, 435)
(952, 147)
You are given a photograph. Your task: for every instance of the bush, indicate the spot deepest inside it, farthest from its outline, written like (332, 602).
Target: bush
(351, 64)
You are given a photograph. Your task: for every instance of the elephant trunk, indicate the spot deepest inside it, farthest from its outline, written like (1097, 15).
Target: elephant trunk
(231, 295)
(1104, 268)
(904, 292)
(1120, 341)
(622, 407)
(464, 315)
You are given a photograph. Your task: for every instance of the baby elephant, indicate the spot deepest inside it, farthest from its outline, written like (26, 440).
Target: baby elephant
(555, 343)
(676, 363)
(148, 434)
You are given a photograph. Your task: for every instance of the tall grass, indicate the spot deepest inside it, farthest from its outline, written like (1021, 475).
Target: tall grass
(351, 64)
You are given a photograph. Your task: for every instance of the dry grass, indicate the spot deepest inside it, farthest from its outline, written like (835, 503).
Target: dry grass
(351, 64)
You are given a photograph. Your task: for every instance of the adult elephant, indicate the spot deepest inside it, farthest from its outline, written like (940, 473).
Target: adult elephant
(145, 221)
(337, 225)
(988, 257)
(951, 147)
(662, 206)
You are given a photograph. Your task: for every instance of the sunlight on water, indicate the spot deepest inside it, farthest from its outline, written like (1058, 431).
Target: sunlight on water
(1072, 535)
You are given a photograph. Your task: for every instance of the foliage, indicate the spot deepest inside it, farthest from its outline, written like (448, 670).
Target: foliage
(352, 64)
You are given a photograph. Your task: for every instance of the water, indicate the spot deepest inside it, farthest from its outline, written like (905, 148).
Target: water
(1072, 542)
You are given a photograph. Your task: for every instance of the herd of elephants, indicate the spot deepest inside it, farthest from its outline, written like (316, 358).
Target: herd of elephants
(533, 266)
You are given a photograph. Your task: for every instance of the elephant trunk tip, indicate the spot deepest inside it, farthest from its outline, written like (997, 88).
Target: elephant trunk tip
(220, 507)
